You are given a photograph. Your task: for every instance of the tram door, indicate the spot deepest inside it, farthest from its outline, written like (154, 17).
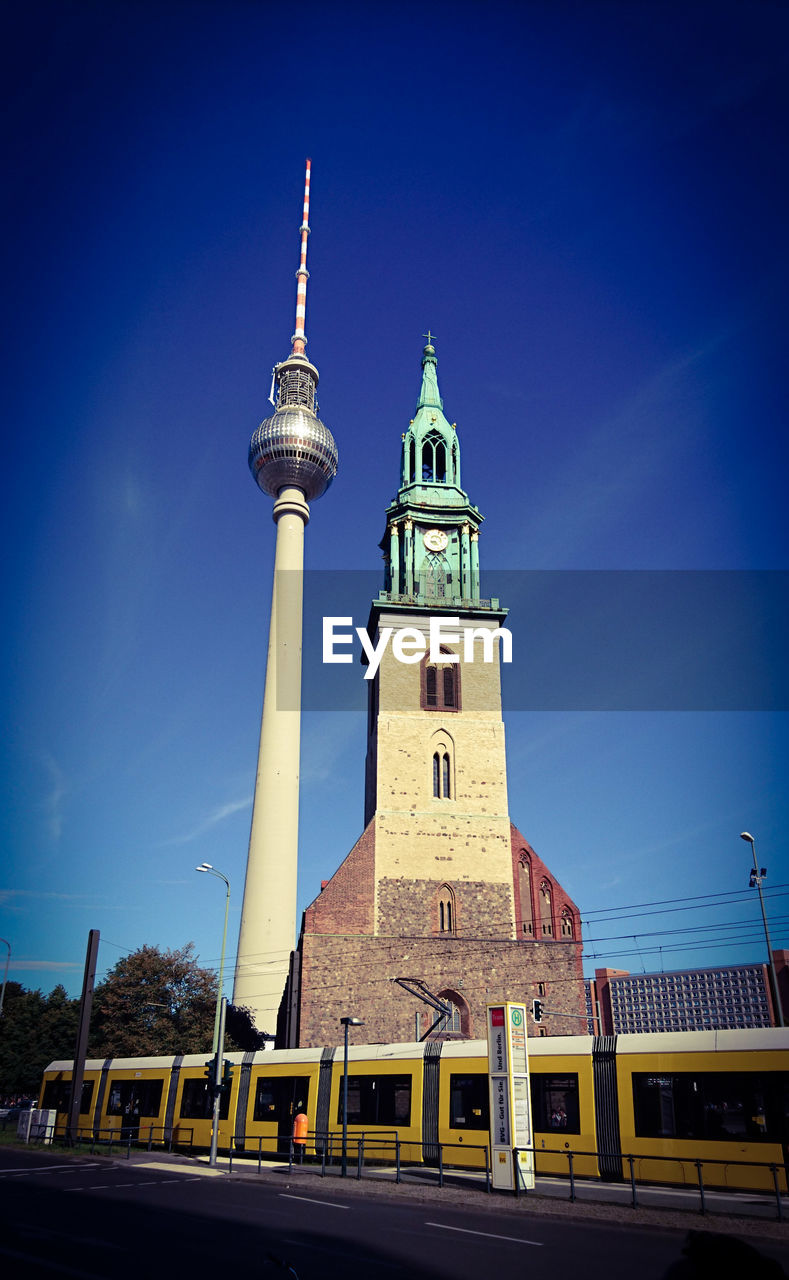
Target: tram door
(293, 1094)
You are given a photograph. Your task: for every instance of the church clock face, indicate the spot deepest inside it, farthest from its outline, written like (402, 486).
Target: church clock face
(435, 540)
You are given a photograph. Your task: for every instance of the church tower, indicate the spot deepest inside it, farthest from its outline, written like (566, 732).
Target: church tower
(441, 903)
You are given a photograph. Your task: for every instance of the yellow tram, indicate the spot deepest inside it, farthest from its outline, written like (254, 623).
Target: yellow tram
(665, 1107)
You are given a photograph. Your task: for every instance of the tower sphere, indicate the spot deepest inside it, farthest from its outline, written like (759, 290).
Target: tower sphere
(293, 449)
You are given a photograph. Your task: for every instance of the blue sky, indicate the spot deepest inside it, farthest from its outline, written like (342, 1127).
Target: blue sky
(587, 204)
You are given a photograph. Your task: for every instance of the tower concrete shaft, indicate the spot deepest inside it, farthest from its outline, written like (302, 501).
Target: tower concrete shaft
(268, 914)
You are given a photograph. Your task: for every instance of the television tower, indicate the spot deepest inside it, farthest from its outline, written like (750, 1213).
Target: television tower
(293, 458)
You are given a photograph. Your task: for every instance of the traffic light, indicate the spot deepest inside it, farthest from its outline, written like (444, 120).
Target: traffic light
(227, 1075)
(210, 1072)
(537, 1008)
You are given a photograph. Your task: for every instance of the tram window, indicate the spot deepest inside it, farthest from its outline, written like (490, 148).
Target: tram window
(197, 1104)
(265, 1101)
(278, 1098)
(377, 1100)
(57, 1092)
(721, 1105)
(135, 1098)
(554, 1103)
(469, 1103)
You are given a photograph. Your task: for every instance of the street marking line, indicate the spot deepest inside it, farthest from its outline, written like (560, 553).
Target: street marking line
(489, 1235)
(329, 1203)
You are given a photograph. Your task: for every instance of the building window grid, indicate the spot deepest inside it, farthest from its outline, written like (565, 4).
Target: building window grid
(698, 1001)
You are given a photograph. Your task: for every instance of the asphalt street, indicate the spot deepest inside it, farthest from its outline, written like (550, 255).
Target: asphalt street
(97, 1220)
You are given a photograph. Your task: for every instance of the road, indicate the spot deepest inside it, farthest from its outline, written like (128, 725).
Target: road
(94, 1220)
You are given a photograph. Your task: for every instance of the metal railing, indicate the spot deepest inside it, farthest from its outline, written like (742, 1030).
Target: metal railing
(631, 1160)
(107, 1139)
(370, 1149)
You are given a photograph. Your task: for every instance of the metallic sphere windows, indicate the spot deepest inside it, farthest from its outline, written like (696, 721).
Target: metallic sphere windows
(293, 449)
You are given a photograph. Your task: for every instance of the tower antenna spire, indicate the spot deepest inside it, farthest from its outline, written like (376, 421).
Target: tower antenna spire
(302, 275)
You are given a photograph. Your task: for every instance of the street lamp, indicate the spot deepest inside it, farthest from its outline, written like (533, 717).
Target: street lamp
(219, 1026)
(346, 1022)
(757, 875)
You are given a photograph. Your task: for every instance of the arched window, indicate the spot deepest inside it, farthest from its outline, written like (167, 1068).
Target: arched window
(439, 684)
(449, 686)
(427, 461)
(452, 1023)
(431, 686)
(411, 462)
(524, 894)
(442, 775)
(546, 915)
(459, 1020)
(568, 927)
(434, 459)
(445, 910)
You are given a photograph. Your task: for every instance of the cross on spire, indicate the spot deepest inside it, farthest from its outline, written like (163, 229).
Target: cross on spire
(430, 336)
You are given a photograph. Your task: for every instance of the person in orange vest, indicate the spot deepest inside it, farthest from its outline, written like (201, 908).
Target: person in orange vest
(300, 1126)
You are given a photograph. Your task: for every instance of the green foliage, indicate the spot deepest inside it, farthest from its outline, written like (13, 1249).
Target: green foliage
(34, 1030)
(240, 1027)
(151, 1003)
(154, 1002)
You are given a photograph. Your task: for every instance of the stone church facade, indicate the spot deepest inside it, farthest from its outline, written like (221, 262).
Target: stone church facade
(441, 896)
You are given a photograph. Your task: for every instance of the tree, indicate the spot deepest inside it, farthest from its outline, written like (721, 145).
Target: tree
(240, 1027)
(34, 1031)
(154, 1002)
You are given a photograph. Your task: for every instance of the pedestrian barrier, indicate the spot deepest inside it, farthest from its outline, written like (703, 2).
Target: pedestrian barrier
(633, 1161)
(370, 1150)
(179, 1137)
(366, 1151)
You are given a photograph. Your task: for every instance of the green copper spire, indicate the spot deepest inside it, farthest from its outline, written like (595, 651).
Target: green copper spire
(431, 452)
(431, 541)
(429, 396)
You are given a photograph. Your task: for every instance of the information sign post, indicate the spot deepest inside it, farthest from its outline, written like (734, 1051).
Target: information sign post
(510, 1099)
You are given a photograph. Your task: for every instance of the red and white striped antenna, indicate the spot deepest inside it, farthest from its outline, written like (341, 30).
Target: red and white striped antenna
(299, 340)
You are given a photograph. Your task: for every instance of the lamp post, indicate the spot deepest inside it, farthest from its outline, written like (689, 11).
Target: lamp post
(219, 1022)
(757, 875)
(5, 974)
(346, 1022)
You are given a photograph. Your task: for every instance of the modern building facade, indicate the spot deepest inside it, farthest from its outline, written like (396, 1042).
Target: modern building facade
(442, 897)
(727, 996)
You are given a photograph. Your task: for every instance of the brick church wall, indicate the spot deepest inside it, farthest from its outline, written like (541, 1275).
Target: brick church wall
(561, 902)
(353, 975)
(408, 907)
(349, 960)
(346, 902)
